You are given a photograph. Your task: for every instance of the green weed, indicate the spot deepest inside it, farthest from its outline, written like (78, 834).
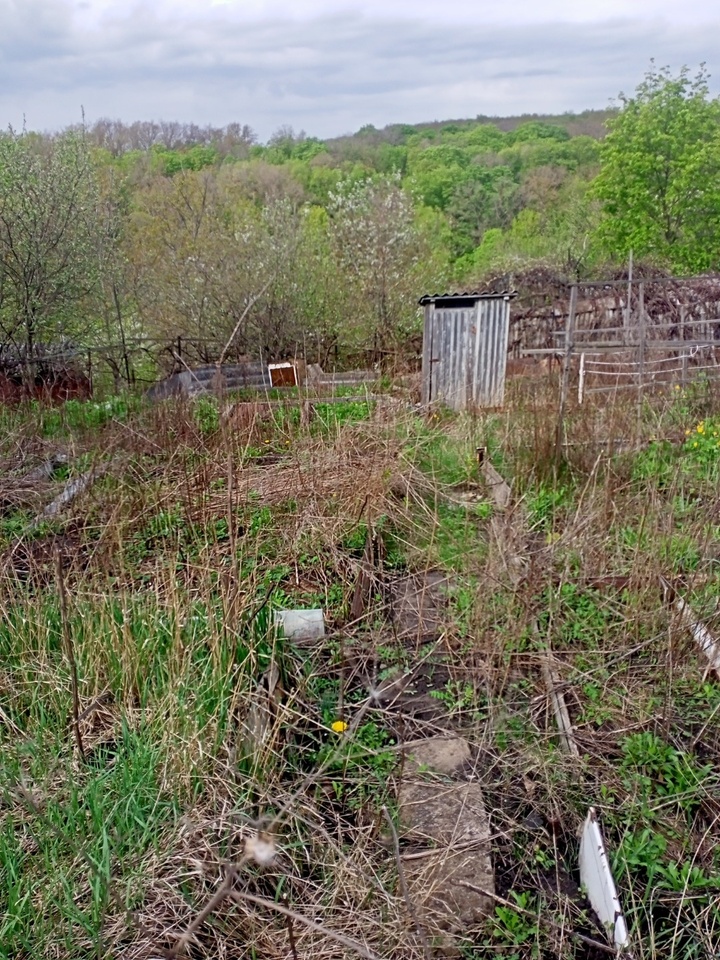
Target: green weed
(82, 415)
(206, 413)
(545, 503)
(511, 929)
(652, 769)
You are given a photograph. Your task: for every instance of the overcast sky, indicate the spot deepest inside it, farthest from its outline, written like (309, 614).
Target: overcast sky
(330, 66)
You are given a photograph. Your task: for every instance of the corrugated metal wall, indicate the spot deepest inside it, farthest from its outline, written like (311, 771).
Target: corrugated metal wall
(465, 354)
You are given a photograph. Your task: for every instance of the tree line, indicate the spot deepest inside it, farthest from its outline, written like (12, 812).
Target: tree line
(114, 231)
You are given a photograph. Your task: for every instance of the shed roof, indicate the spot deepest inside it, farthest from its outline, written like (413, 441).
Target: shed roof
(462, 296)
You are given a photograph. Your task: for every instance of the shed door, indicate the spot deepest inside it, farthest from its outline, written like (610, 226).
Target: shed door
(450, 356)
(489, 352)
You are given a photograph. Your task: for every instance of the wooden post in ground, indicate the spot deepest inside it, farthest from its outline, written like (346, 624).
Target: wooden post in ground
(567, 358)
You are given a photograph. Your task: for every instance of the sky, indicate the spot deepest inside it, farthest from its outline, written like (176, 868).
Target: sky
(331, 66)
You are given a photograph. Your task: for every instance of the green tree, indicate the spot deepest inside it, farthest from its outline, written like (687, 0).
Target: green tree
(436, 173)
(488, 200)
(660, 173)
(49, 238)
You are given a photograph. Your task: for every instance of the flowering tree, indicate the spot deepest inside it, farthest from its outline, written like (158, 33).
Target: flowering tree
(379, 249)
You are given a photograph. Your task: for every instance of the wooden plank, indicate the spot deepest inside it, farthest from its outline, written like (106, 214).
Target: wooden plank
(670, 325)
(601, 346)
(700, 634)
(364, 580)
(71, 490)
(541, 352)
(560, 710)
(427, 356)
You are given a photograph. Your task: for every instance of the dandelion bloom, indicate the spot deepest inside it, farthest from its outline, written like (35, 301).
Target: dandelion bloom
(339, 726)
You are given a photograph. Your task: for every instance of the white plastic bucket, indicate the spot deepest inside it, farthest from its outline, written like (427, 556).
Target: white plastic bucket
(301, 624)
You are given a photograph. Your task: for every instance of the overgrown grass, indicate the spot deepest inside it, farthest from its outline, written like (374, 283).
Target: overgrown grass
(202, 729)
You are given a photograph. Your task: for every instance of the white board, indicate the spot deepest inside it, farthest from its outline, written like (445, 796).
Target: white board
(597, 879)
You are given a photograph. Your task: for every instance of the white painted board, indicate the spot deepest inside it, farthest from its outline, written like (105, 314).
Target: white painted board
(597, 879)
(701, 635)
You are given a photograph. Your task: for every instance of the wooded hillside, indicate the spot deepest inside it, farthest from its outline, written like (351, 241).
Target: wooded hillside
(117, 231)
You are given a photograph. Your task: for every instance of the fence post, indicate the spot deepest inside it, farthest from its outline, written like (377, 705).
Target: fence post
(642, 331)
(626, 318)
(565, 382)
(683, 352)
(581, 380)
(641, 352)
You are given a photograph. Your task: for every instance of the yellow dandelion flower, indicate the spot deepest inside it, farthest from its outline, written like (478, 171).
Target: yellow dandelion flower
(695, 444)
(687, 433)
(339, 726)
(677, 386)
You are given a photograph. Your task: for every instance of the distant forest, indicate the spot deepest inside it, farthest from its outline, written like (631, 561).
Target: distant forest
(165, 229)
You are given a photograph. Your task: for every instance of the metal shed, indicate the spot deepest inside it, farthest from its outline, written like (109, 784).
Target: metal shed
(465, 348)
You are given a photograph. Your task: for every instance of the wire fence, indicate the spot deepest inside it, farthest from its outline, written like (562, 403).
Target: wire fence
(608, 376)
(624, 336)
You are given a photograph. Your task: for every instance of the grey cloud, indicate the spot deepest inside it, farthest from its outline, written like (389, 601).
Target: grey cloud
(328, 75)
